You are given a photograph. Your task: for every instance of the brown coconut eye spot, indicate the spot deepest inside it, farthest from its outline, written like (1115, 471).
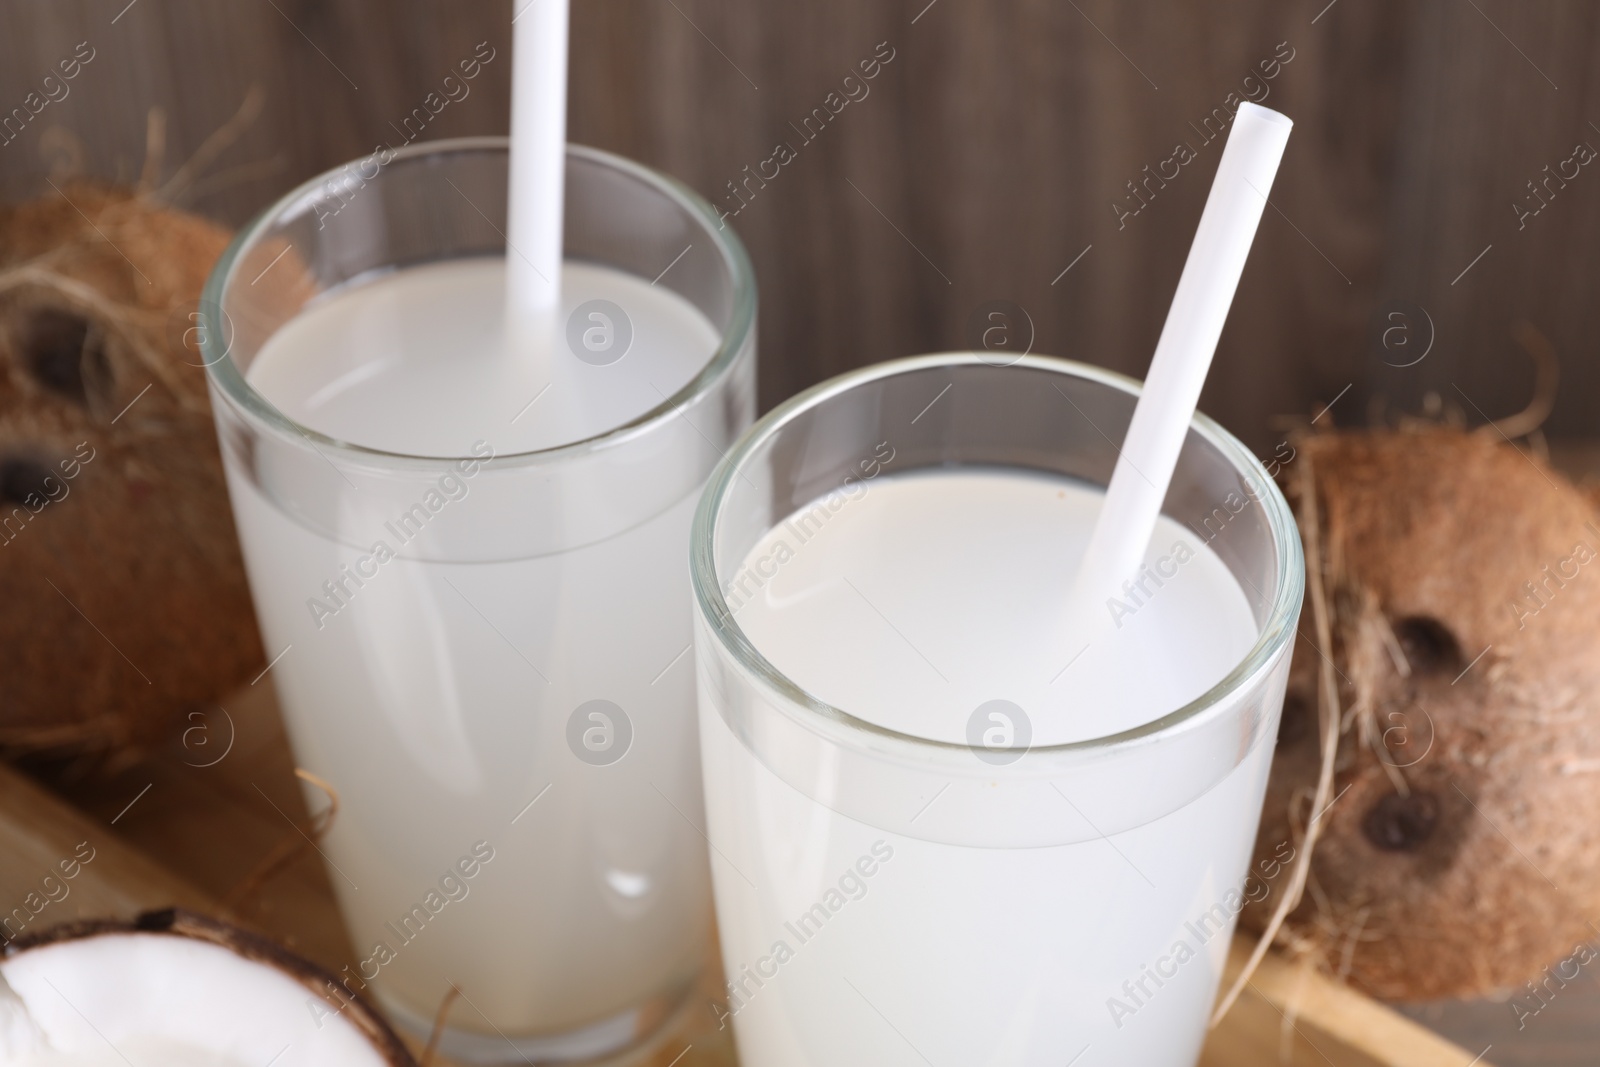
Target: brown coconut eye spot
(1428, 644)
(1401, 823)
(22, 478)
(63, 354)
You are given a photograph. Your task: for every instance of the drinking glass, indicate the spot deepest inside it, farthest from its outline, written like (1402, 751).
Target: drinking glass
(889, 900)
(505, 708)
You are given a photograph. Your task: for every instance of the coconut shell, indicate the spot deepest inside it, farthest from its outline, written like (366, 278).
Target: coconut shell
(179, 922)
(1462, 855)
(123, 602)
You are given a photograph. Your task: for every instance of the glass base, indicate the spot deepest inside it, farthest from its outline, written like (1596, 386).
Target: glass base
(614, 1040)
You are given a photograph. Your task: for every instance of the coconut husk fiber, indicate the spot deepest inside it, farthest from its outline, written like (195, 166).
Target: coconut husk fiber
(1455, 643)
(123, 602)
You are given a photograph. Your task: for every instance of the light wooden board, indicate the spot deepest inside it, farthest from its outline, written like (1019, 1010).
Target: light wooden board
(194, 821)
(38, 833)
(1292, 1016)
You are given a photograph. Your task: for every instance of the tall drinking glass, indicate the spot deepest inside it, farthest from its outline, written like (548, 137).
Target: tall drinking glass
(500, 695)
(889, 900)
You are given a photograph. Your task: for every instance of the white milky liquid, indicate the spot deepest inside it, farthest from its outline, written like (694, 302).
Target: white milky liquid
(928, 595)
(416, 364)
(437, 698)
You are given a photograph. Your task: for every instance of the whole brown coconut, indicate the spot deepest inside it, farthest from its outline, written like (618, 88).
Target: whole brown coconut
(122, 596)
(1460, 853)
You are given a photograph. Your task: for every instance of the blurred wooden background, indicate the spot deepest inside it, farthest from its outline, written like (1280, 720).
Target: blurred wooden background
(983, 162)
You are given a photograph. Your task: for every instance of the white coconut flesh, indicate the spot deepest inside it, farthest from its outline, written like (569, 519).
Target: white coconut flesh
(160, 1000)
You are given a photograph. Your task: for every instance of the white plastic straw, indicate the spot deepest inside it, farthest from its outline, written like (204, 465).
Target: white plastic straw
(538, 168)
(1183, 355)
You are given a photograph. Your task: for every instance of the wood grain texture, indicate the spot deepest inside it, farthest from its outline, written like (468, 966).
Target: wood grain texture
(213, 806)
(1290, 1016)
(44, 879)
(983, 161)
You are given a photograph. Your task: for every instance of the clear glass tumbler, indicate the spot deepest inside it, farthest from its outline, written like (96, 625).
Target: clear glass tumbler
(893, 901)
(503, 701)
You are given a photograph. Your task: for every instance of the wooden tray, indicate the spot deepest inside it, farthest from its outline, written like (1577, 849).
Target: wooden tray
(189, 825)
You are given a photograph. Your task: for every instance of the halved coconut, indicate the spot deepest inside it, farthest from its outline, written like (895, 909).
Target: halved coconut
(177, 989)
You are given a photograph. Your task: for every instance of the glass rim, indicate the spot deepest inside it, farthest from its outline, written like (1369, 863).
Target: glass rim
(1277, 631)
(224, 372)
